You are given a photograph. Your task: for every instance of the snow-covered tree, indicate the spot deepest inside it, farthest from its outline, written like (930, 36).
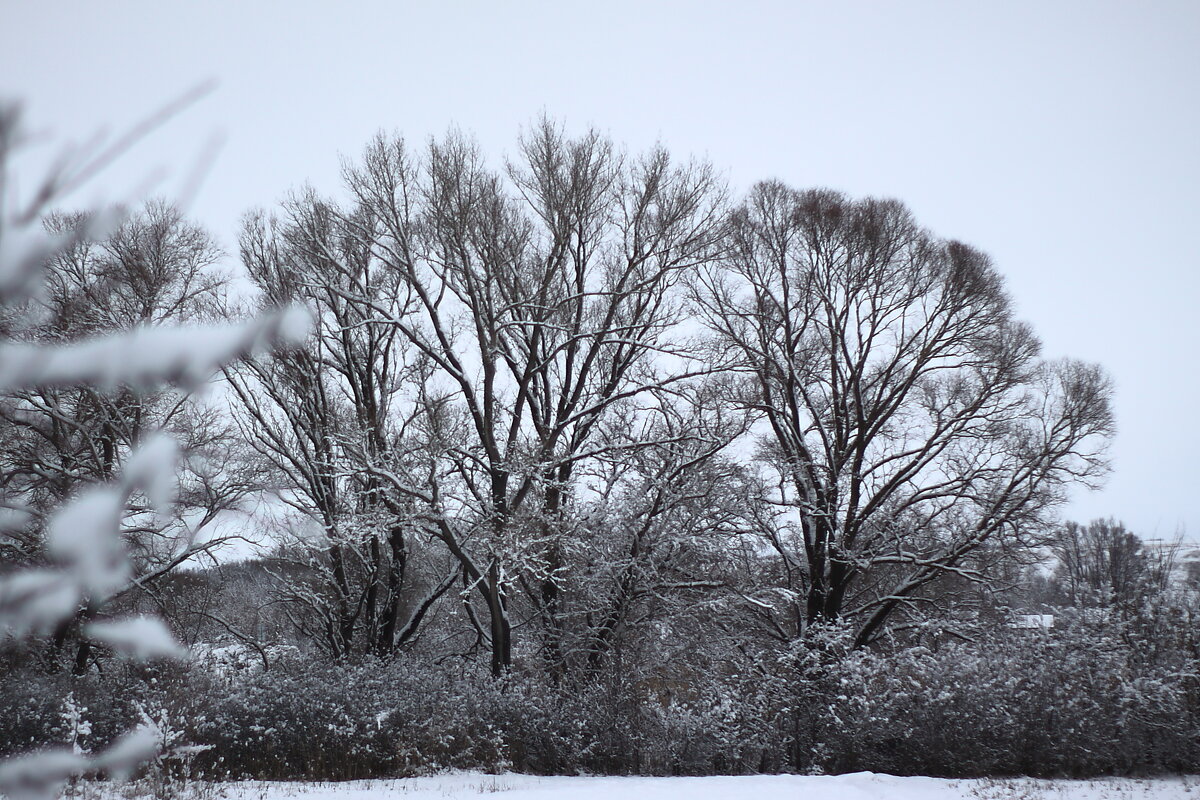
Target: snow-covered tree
(528, 307)
(911, 421)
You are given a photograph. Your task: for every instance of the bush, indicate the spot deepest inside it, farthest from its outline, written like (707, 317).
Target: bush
(1075, 702)
(1088, 698)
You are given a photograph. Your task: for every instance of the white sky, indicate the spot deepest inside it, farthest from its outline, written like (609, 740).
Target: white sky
(1062, 138)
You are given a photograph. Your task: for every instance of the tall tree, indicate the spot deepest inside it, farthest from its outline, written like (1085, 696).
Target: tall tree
(911, 421)
(530, 305)
(319, 416)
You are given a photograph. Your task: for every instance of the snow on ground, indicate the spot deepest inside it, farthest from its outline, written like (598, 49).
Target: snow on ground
(857, 786)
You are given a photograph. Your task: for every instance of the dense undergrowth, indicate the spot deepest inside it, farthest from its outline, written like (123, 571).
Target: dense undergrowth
(1085, 699)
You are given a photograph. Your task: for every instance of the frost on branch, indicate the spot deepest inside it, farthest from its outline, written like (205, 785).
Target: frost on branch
(149, 356)
(151, 468)
(24, 249)
(142, 638)
(128, 752)
(32, 602)
(38, 776)
(84, 536)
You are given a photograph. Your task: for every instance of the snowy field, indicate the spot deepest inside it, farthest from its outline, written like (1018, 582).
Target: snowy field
(857, 786)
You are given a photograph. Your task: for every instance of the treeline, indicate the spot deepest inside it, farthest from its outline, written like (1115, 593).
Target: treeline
(702, 482)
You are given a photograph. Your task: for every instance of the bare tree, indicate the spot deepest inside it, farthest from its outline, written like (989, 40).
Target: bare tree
(528, 306)
(319, 415)
(544, 310)
(651, 534)
(1103, 563)
(910, 419)
(154, 268)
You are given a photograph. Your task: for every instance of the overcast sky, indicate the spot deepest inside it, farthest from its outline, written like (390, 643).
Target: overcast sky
(1061, 138)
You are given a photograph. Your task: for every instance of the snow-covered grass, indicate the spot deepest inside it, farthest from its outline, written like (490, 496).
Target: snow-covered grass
(857, 786)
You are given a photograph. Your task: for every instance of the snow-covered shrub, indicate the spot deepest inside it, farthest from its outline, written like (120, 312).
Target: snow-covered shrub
(1075, 702)
(29, 710)
(342, 720)
(1082, 700)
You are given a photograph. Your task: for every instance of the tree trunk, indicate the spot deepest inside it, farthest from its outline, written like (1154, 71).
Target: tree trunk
(395, 583)
(501, 629)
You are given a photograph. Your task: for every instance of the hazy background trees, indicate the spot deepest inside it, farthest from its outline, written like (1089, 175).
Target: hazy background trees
(1104, 564)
